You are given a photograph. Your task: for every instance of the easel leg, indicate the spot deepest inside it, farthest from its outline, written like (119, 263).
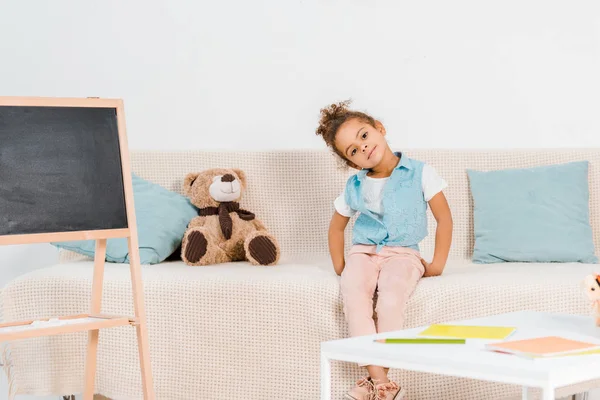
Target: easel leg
(140, 314)
(96, 306)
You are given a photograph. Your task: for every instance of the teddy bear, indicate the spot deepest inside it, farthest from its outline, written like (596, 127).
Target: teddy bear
(591, 286)
(222, 231)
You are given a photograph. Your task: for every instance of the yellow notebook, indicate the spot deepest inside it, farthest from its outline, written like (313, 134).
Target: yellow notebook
(468, 332)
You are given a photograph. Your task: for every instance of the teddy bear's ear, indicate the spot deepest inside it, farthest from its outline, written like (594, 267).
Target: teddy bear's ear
(241, 175)
(188, 182)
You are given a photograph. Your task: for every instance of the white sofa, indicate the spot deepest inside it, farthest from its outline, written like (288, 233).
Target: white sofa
(235, 331)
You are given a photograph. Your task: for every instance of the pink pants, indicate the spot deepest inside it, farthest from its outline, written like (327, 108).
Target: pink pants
(394, 271)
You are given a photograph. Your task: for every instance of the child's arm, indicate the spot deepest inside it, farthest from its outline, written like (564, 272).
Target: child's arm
(336, 241)
(443, 235)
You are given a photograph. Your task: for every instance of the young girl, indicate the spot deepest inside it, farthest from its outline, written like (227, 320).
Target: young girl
(390, 192)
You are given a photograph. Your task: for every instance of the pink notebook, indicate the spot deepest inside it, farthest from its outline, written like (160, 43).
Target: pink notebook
(548, 346)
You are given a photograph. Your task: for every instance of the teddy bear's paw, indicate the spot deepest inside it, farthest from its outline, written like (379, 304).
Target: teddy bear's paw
(196, 246)
(263, 250)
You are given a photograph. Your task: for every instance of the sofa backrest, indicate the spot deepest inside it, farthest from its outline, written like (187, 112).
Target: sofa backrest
(292, 191)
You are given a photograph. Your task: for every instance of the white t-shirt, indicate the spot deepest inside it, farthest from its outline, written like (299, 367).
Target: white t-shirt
(431, 183)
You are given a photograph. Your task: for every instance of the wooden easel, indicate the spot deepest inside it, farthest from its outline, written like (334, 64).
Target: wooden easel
(94, 320)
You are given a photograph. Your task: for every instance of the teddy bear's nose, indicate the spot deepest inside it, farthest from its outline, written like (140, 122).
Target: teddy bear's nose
(227, 178)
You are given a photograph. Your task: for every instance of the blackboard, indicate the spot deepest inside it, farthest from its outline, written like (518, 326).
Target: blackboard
(60, 170)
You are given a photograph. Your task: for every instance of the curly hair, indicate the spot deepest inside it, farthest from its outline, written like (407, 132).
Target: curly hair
(332, 117)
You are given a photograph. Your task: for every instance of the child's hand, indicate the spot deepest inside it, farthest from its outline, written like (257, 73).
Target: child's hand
(426, 266)
(431, 269)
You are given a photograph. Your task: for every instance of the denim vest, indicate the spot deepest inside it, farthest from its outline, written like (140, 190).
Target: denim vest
(404, 220)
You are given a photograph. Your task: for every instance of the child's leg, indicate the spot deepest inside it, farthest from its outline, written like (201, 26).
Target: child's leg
(357, 285)
(400, 271)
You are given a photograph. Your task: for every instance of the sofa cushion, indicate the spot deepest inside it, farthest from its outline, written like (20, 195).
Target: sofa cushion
(248, 322)
(539, 214)
(467, 290)
(162, 217)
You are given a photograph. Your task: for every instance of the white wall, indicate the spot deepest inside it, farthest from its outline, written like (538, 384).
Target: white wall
(253, 74)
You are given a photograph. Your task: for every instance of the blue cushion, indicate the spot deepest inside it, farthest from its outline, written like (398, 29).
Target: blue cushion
(162, 217)
(538, 214)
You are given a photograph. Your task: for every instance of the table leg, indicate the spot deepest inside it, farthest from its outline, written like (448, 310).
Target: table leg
(585, 395)
(325, 377)
(548, 393)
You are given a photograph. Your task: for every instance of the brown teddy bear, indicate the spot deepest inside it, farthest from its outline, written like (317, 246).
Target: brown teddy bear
(224, 232)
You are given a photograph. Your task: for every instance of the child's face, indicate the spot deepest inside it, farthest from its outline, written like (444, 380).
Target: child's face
(362, 144)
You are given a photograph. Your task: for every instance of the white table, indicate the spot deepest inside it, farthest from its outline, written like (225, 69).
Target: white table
(471, 360)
